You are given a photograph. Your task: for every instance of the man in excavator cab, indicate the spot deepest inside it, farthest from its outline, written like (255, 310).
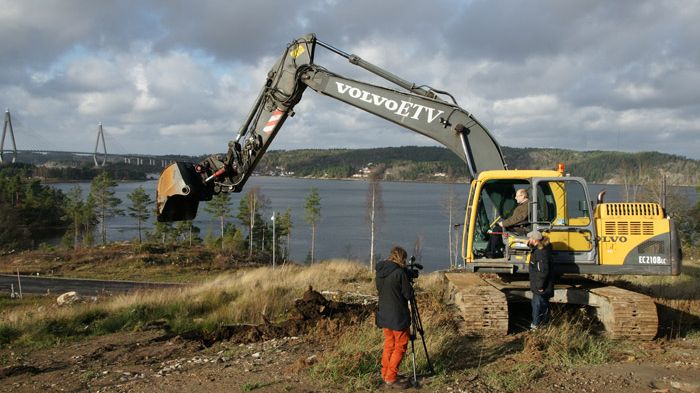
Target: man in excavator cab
(516, 222)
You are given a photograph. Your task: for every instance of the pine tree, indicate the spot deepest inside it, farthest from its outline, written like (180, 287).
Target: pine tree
(220, 206)
(284, 229)
(139, 207)
(163, 232)
(106, 204)
(187, 231)
(74, 210)
(312, 207)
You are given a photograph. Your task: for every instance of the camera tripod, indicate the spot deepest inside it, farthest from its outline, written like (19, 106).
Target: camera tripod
(417, 327)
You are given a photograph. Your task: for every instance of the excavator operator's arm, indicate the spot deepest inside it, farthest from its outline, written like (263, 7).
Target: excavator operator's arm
(182, 185)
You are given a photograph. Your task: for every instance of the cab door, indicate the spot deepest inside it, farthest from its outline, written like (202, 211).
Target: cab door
(563, 212)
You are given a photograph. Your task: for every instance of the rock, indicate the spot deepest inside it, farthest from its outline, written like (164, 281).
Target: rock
(310, 360)
(68, 298)
(256, 355)
(686, 386)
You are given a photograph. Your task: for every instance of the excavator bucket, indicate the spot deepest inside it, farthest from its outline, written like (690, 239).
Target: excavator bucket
(179, 190)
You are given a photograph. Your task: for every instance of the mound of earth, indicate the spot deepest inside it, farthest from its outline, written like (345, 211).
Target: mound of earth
(313, 312)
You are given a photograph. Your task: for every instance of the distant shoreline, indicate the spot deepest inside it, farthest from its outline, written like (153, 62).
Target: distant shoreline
(57, 181)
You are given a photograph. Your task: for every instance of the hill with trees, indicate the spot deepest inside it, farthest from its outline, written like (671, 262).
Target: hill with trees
(428, 163)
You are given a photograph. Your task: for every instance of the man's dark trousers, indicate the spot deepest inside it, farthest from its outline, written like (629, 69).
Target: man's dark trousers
(540, 309)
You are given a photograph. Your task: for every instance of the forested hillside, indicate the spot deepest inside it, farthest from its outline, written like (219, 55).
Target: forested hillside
(437, 163)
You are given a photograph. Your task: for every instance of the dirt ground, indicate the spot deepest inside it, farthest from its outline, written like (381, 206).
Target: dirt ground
(278, 358)
(152, 362)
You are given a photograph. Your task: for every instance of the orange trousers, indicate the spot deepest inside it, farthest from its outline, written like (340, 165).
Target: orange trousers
(395, 344)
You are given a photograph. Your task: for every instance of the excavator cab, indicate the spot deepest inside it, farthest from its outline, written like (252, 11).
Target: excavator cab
(559, 207)
(496, 202)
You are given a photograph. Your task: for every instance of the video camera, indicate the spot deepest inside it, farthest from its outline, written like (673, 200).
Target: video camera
(413, 269)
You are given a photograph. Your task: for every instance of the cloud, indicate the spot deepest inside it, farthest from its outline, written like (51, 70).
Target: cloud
(180, 77)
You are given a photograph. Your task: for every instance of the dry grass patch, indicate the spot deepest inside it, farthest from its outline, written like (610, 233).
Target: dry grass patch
(240, 297)
(355, 359)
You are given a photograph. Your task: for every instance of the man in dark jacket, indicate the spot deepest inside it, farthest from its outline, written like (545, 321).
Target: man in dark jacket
(393, 315)
(515, 222)
(541, 283)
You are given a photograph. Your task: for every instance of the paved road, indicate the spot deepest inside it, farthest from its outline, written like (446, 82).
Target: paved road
(85, 287)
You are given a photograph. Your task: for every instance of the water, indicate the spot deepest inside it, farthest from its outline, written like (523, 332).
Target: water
(414, 213)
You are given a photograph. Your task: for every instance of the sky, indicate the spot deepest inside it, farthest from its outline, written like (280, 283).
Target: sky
(179, 77)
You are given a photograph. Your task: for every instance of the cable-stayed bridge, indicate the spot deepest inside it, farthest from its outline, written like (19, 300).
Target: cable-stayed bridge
(39, 157)
(9, 151)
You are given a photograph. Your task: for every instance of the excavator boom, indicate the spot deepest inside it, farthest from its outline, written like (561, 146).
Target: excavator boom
(419, 109)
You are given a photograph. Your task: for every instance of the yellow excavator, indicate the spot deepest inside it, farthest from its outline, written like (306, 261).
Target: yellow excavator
(589, 236)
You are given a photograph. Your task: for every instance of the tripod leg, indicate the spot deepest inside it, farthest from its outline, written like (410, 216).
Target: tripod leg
(413, 358)
(418, 325)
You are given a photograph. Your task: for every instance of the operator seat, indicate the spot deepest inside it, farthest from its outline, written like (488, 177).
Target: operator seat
(516, 240)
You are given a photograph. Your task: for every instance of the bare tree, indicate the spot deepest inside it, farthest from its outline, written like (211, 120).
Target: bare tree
(450, 206)
(375, 210)
(657, 186)
(631, 177)
(250, 208)
(418, 248)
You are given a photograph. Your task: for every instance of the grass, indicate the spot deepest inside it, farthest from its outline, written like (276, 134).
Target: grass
(512, 379)
(355, 359)
(240, 297)
(352, 358)
(569, 342)
(250, 386)
(122, 261)
(496, 364)
(354, 362)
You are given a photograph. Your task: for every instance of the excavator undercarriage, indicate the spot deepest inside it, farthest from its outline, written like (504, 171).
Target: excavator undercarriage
(482, 302)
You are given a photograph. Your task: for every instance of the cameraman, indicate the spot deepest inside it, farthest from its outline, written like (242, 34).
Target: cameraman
(393, 315)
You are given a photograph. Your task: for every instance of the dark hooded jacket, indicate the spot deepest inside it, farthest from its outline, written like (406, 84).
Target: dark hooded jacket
(394, 293)
(541, 271)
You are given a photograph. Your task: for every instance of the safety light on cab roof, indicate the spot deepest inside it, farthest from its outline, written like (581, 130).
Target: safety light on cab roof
(560, 168)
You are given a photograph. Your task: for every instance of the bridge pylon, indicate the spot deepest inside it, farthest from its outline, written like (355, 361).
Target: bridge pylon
(100, 135)
(8, 126)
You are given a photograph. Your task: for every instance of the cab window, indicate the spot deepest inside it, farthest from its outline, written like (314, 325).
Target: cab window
(562, 203)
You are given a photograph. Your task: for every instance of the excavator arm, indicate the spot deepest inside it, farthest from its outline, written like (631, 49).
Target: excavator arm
(182, 185)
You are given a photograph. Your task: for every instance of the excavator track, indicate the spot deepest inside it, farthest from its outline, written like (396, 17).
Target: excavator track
(481, 304)
(481, 308)
(626, 314)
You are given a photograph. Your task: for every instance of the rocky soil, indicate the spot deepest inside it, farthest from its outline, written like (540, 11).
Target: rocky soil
(278, 357)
